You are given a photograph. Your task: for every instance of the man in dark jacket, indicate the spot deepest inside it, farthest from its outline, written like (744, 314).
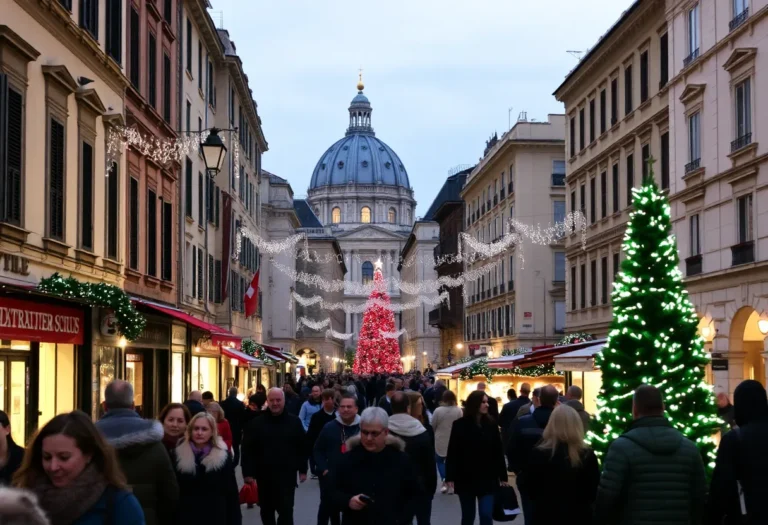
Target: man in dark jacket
(274, 449)
(651, 473)
(385, 401)
(319, 419)
(234, 412)
(329, 447)
(374, 482)
(493, 405)
(509, 412)
(141, 453)
(573, 400)
(195, 403)
(420, 449)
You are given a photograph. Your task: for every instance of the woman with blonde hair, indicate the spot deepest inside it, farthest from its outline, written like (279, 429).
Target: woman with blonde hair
(562, 459)
(222, 425)
(206, 474)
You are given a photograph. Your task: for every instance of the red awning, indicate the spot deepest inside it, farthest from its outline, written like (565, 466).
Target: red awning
(219, 335)
(242, 358)
(274, 353)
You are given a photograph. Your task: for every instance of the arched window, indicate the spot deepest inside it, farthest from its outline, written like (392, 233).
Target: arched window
(365, 214)
(336, 215)
(392, 216)
(367, 272)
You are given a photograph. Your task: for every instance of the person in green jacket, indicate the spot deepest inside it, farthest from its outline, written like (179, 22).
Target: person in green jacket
(651, 474)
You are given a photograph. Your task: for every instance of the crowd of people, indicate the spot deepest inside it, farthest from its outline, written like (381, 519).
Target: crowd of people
(382, 448)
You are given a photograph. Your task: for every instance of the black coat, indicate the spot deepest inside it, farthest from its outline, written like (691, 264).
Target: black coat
(316, 423)
(421, 451)
(509, 413)
(274, 450)
(293, 404)
(195, 407)
(493, 408)
(573, 503)
(475, 461)
(386, 405)
(386, 477)
(526, 432)
(207, 490)
(234, 410)
(15, 456)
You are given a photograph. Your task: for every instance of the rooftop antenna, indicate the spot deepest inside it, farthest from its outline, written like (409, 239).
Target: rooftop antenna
(575, 54)
(523, 116)
(509, 118)
(218, 19)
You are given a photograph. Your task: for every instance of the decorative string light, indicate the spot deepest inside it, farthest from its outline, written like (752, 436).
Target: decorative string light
(333, 334)
(361, 308)
(265, 246)
(394, 335)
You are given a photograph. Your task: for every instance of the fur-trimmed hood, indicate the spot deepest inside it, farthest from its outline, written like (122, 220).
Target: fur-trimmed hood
(215, 460)
(20, 507)
(123, 428)
(392, 441)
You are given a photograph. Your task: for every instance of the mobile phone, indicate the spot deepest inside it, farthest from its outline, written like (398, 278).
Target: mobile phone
(366, 499)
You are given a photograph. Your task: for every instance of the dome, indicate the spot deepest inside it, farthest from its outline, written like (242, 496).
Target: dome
(359, 157)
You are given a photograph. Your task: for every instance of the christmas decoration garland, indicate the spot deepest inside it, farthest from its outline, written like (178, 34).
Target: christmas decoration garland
(130, 322)
(481, 368)
(575, 337)
(253, 349)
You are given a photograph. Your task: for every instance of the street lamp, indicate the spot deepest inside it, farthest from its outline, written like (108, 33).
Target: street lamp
(214, 151)
(459, 346)
(762, 325)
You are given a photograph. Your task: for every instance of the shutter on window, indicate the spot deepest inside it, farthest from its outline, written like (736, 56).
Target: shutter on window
(200, 275)
(211, 280)
(194, 271)
(217, 281)
(11, 126)
(135, 59)
(151, 233)
(134, 262)
(167, 241)
(86, 200)
(112, 210)
(56, 192)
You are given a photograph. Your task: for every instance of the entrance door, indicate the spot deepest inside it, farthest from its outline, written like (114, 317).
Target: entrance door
(139, 373)
(14, 394)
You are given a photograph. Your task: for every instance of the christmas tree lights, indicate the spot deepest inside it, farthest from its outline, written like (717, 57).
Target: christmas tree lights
(376, 353)
(653, 338)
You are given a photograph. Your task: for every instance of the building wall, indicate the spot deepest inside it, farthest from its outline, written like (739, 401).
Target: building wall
(451, 332)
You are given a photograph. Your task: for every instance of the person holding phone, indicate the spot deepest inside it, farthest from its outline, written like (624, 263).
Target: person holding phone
(369, 485)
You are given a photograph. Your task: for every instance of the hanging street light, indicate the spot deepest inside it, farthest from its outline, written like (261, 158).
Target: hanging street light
(214, 151)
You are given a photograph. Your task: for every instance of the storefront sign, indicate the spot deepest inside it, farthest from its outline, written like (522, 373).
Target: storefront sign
(134, 358)
(13, 263)
(30, 321)
(586, 365)
(109, 325)
(205, 345)
(719, 364)
(178, 334)
(527, 325)
(154, 334)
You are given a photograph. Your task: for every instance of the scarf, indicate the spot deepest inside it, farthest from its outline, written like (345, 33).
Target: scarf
(64, 505)
(200, 453)
(171, 442)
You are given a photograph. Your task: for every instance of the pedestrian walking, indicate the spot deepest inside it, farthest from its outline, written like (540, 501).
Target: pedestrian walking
(140, 451)
(223, 428)
(11, 454)
(442, 424)
(651, 473)
(328, 449)
(725, 411)
(208, 398)
(418, 411)
(573, 399)
(75, 475)
(509, 410)
(740, 480)
(254, 409)
(493, 405)
(385, 401)
(530, 406)
(325, 415)
(174, 417)
(562, 459)
(419, 446)
(359, 399)
(474, 467)
(195, 403)
(274, 450)
(292, 400)
(310, 407)
(374, 482)
(206, 475)
(234, 412)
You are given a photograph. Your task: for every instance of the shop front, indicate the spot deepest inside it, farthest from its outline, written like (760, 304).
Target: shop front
(239, 370)
(146, 365)
(579, 369)
(42, 343)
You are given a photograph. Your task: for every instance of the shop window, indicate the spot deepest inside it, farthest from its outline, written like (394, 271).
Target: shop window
(205, 374)
(177, 377)
(56, 394)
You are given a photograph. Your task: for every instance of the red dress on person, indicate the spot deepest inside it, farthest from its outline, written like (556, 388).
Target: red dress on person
(225, 432)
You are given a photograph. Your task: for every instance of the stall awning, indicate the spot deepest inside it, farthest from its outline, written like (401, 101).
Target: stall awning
(241, 358)
(506, 361)
(547, 355)
(454, 370)
(290, 357)
(219, 335)
(581, 360)
(274, 353)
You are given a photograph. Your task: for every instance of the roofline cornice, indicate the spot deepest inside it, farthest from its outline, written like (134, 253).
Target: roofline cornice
(235, 66)
(206, 27)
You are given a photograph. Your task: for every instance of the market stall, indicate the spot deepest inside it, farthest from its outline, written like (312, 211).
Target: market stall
(579, 369)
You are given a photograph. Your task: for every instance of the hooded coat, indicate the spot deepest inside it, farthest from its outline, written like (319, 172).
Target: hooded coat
(208, 488)
(144, 461)
(419, 447)
(383, 476)
(742, 457)
(327, 450)
(652, 474)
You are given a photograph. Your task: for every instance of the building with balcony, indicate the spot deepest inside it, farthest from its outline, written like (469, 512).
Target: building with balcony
(502, 312)
(617, 109)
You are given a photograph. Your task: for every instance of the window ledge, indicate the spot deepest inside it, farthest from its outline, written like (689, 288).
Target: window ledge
(629, 116)
(747, 151)
(111, 265)
(13, 233)
(200, 228)
(200, 92)
(592, 144)
(151, 281)
(85, 256)
(189, 219)
(694, 177)
(166, 286)
(56, 247)
(644, 105)
(168, 31)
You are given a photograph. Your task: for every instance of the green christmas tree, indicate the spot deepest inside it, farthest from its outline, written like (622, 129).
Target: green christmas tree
(653, 338)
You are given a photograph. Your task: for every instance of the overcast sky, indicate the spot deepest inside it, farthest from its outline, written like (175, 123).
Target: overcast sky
(440, 75)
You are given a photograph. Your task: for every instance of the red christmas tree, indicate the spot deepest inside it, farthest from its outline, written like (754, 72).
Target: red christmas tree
(376, 353)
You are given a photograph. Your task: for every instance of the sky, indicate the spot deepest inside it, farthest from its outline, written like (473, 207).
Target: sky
(441, 75)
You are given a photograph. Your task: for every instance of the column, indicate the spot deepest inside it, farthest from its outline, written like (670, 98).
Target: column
(348, 326)
(392, 269)
(352, 266)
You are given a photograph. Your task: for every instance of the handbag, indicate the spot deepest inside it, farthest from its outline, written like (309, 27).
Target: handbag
(505, 506)
(249, 494)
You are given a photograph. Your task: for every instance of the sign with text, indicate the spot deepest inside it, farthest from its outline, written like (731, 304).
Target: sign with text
(719, 364)
(527, 325)
(28, 321)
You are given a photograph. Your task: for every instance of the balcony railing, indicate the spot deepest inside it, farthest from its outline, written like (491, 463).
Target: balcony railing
(690, 58)
(741, 142)
(489, 205)
(662, 83)
(501, 288)
(743, 253)
(482, 294)
(693, 265)
(692, 166)
(482, 210)
(495, 291)
(558, 179)
(739, 19)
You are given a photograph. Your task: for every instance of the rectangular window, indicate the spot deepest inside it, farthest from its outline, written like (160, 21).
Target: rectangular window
(614, 101)
(604, 280)
(211, 279)
(695, 237)
(167, 80)
(67, 4)
(644, 88)
(56, 175)
(12, 113)
(189, 46)
(200, 199)
(603, 195)
(744, 208)
(603, 111)
(583, 207)
(134, 218)
(194, 272)
(188, 188)
(628, 103)
(89, 17)
(663, 60)
(200, 274)
(113, 209)
(616, 266)
(559, 211)
(167, 241)
(645, 153)
(592, 201)
(211, 86)
(615, 181)
(573, 202)
(630, 177)
(560, 266)
(694, 138)
(151, 233)
(114, 30)
(573, 137)
(572, 285)
(135, 55)
(168, 11)
(665, 161)
(743, 111)
(86, 196)
(591, 120)
(559, 317)
(582, 135)
(216, 200)
(593, 282)
(693, 32)
(200, 66)
(152, 69)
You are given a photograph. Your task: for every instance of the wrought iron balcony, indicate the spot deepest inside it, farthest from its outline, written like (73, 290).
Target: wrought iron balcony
(741, 142)
(690, 58)
(482, 294)
(489, 205)
(482, 210)
(693, 265)
(558, 179)
(739, 19)
(743, 253)
(662, 83)
(692, 166)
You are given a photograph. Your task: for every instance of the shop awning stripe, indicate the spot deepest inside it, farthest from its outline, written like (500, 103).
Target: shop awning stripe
(218, 334)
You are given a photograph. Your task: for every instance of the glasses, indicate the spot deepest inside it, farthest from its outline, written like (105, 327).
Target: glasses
(371, 433)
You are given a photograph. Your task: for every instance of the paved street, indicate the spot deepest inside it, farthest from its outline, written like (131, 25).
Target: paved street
(445, 509)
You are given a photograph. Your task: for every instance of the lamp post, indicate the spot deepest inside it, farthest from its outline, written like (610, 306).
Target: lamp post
(214, 152)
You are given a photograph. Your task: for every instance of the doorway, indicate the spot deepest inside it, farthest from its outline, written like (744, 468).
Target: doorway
(139, 373)
(14, 394)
